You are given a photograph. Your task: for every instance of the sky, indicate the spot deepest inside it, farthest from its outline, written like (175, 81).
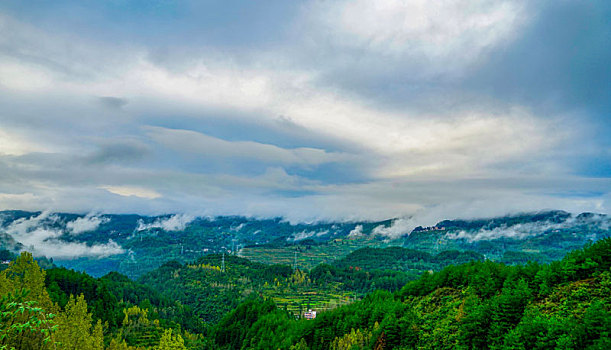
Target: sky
(308, 110)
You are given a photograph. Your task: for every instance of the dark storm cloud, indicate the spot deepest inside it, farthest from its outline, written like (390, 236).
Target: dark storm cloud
(560, 62)
(557, 61)
(119, 151)
(113, 102)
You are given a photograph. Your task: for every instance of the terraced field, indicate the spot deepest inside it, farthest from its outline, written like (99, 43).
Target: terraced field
(309, 256)
(304, 298)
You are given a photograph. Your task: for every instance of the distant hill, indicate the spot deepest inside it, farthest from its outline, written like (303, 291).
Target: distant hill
(135, 244)
(542, 237)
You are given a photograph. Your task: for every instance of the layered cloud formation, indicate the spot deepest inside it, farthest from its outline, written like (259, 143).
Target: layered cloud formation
(308, 110)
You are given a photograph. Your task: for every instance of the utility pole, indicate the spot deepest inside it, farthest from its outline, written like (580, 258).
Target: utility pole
(223, 263)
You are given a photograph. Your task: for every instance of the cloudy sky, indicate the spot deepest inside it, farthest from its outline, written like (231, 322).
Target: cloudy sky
(348, 109)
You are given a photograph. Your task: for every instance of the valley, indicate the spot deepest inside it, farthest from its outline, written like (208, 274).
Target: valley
(156, 281)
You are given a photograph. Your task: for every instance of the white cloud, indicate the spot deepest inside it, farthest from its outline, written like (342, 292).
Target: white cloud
(135, 191)
(41, 239)
(24, 225)
(85, 224)
(467, 158)
(403, 143)
(525, 230)
(22, 77)
(174, 223)
(212, 82)
(357, 231)
(237, 228)
(195, 142)
(448, 35)
(300, 236)
(12, 144)
(16, 200)
(399, 227)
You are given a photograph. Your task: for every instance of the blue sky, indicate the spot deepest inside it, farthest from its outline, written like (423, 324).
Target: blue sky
(311, 110)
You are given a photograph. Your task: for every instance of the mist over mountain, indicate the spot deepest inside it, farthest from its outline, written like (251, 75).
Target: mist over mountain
(134, 244)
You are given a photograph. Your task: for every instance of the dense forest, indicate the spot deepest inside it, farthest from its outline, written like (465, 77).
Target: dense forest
(478, 305)
(238, 304)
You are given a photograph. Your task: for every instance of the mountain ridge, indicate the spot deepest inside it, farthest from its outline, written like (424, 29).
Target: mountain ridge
(134, 244)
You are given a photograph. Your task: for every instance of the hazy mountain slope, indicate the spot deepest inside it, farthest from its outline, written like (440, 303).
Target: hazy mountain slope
(134, 245)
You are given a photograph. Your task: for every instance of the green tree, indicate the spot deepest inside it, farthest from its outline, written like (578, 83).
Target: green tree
(22, 324)
(169, 341)
(353, 340)
(302, 345)
(475, 320)
(74, 327)
(138, 329)
(25, 274)
(22, 288)
(117, 344)
(508, 309)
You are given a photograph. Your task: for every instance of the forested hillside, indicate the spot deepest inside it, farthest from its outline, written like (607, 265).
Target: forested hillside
(245, 305)
(478, 305)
